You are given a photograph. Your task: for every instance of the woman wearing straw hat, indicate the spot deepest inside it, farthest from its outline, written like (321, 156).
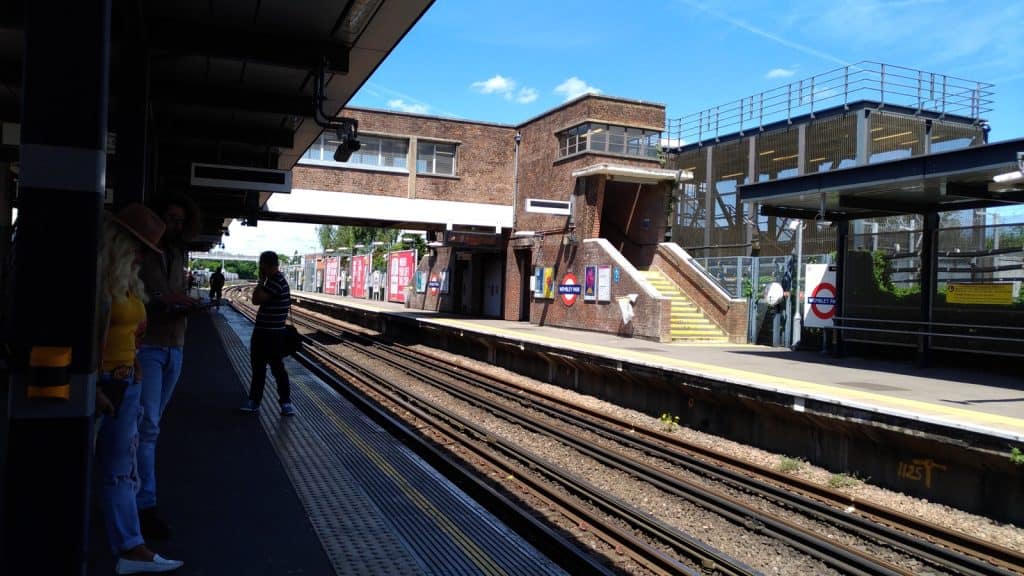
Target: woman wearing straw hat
(127, 237)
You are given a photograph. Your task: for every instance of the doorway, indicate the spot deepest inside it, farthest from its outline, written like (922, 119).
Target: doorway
(523, 260)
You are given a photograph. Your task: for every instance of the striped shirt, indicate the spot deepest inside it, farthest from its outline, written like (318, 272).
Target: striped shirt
(274, 312)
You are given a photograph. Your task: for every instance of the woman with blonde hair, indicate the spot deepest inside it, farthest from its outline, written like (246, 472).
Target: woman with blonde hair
(126, 239)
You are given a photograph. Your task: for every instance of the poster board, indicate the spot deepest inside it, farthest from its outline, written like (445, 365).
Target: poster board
(421, 281)
(400, 268)
(331, 275)
(549, 283)
(590, 283)
(359, 267)
(538, 282)
(820, 296)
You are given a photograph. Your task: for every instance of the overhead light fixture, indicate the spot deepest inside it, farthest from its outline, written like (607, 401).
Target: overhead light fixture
(880, 138)
(524, 234)
(435, 244)
(1012, 177)
(766, 152)
(781, 158)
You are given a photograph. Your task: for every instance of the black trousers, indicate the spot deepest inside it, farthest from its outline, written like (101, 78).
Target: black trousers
(266, 347)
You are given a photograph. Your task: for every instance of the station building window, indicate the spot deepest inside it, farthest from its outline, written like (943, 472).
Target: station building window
(609, 139)
(435, 158)
(379, 152)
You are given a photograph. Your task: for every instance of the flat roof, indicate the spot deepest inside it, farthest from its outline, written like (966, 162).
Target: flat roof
(941, 182)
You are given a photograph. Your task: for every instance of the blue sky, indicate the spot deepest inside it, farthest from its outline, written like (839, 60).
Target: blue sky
(507, 62)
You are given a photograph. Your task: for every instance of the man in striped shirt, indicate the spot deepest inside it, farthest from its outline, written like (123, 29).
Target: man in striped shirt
(268, 337)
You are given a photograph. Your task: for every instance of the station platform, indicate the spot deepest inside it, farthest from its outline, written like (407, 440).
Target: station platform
(325, 492)
(988, 403)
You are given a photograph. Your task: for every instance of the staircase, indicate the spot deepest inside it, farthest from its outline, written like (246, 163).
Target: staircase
(688, 322)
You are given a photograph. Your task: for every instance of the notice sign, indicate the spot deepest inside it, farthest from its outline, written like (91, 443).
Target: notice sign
(980, 293)
(821, 296)
(604, 283)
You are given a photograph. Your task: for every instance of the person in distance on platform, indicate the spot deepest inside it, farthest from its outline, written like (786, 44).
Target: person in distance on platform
(162, 351)
(127, 238)
(268, 337)
(216, 286)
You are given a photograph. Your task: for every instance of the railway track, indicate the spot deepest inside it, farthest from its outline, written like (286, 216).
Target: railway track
(880, 535)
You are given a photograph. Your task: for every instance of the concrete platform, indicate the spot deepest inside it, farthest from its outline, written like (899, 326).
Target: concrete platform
(325, 492)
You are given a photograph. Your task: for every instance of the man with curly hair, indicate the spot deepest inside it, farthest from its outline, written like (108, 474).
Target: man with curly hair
(160, 356)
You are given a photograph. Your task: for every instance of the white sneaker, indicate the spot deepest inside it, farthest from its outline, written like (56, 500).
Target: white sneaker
(288, 409)
(157, 565)
(249, 407)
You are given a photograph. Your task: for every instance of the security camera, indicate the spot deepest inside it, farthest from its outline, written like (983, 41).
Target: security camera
(348, 139)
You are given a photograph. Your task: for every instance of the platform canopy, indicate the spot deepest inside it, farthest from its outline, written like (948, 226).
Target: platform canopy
(220, 82)
(946, 181)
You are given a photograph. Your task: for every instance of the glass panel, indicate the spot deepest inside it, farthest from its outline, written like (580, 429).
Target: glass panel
(894, 136)
(617, 140)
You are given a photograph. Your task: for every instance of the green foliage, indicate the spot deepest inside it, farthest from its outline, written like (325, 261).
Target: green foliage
(245, 270)
(840, 481)
(1016, 456)
(787, 464)
(669, 422)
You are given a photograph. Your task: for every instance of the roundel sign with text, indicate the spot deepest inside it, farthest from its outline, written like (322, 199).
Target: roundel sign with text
(822, 296)
(823, 301)
(569, 289)
(433, 284)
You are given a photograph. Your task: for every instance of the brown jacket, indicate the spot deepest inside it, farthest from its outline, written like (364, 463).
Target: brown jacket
(164, 275)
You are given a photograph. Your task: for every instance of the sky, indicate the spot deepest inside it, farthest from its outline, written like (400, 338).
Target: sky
(507, 62)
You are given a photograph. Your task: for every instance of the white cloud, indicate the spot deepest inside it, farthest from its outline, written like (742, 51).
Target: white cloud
(410, 107)
(780, 73)
(497, 84)
(526, 95)
(574, 87)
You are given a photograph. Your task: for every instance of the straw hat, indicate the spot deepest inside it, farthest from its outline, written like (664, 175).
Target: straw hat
(142, 223)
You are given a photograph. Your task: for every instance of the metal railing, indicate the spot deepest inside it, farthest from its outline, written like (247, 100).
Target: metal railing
(873, 81)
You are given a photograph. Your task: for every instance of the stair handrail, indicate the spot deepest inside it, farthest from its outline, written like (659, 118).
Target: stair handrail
(684, 256)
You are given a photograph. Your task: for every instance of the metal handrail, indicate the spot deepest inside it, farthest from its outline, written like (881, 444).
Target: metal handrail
(919, 322)
(933, 334)
(874, 81)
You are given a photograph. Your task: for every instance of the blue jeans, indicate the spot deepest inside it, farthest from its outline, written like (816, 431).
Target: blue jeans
(161, 366)
(116, 452)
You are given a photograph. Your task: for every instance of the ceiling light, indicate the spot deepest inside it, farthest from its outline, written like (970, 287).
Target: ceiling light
(1009, 177)
(781, 158)
(766, 152)
(880, 138)
(819, 159)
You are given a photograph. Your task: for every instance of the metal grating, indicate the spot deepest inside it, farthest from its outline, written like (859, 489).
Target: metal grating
(376, 506)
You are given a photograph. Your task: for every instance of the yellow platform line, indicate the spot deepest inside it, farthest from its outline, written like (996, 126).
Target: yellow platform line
(914, 409)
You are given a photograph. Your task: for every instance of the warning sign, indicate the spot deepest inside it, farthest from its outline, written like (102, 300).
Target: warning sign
(822, 298)
(980, 293)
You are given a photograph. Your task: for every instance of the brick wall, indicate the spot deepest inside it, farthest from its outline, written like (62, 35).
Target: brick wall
(483, 163)
(433, 266)
(549, 251)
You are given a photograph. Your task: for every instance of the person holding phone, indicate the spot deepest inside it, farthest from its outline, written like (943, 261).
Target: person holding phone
(127, 237)
(268, 345)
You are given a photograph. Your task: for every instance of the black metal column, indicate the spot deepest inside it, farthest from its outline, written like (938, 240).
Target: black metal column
(63, 166)
(132, 156)
(929, 266)
(842, 242)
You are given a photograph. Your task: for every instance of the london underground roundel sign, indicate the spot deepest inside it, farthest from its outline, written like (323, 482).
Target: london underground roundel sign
(823, 301)
(569, 289)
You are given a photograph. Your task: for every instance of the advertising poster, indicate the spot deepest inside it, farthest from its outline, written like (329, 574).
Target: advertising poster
(590, 283)
(604, 284)
(400, 268)
(538, 282)
(445, 281)
(359, 266)
(549, 282)
(331, 276)
(421, 281)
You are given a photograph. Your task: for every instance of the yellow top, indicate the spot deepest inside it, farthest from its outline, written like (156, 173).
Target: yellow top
(127, 325)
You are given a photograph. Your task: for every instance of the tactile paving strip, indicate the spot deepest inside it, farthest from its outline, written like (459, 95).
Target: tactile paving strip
(376, 506)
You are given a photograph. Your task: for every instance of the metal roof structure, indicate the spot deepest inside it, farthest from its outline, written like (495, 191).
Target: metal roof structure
(940, 182)
(226, 82)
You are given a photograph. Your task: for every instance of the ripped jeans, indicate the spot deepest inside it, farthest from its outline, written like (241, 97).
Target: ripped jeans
(116, 450)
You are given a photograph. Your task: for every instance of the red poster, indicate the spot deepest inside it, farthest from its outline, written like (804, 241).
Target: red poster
(359, 267)
(331, 276)
(401, 266)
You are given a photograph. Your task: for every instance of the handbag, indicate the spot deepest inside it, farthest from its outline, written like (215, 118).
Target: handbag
(292, 340)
